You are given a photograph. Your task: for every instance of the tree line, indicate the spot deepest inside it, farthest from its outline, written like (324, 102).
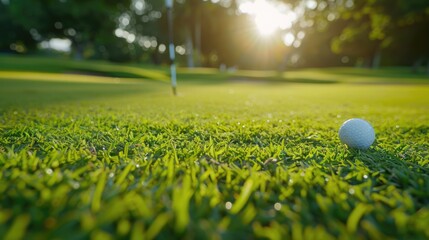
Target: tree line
(366, 33)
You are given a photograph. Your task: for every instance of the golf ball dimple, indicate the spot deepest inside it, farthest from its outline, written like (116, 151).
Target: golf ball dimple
(357, 133)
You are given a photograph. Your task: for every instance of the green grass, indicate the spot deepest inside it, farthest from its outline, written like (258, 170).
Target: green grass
(97, 68)
(229, 158)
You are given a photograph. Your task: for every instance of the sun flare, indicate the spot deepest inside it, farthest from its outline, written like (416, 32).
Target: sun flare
(268, 17)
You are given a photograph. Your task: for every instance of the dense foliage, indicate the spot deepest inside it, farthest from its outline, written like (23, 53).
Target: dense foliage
(367, 32)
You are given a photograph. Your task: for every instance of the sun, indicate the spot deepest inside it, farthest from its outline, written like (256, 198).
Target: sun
(268, 17)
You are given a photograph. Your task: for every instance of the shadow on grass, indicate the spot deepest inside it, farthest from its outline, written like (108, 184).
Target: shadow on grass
(202, 78)
(90, 68)
(393, 170)
(115, 74)
(26, 94)
(390, 73)
(280, 80)
(386, 161)
(222, 78)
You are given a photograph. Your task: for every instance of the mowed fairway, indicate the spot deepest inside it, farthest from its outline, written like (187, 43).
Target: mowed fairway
(235, 156)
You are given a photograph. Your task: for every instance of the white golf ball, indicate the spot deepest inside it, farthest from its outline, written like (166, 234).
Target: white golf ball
(357, 133)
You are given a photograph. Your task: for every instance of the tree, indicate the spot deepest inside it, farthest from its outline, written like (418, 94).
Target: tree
(86, 23)
(381, 25)
(15, 38)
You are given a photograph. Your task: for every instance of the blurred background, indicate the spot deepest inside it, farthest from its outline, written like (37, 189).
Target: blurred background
(225, 34)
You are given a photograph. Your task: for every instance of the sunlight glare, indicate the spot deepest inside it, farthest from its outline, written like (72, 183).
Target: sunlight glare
(288, 39)
(268, 17)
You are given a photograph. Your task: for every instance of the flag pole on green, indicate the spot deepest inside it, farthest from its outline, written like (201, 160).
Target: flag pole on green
(169, 5)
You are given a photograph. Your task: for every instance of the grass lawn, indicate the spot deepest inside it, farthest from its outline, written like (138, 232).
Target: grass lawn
(111, 154)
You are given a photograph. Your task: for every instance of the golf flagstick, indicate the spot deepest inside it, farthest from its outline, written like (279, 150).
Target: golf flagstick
(169, 5)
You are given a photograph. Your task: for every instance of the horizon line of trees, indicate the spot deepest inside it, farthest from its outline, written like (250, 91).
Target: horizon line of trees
(208, 33)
